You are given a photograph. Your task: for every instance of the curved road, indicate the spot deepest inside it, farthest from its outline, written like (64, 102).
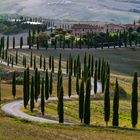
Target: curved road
(14, 108)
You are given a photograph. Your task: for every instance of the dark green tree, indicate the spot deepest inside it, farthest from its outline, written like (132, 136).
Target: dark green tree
(107, 101)
(61, 108)
(47, 85)
(14, 84)
(116, 106)
(69, 85)
(134, 101)
(13, 42)
(87, 103)
(42, 98)
(51, 83)
(81, 101)
(32, 95)
(77, 84)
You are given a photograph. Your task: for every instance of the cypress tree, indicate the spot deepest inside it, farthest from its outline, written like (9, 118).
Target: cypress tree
(60, 105)
(59, 81)
(47, 85)
(77, 85)
(87, 103)
(32, 95)
(25, 90)
(103, 76)
(107, 102)
(99, 69)
(21, 42)
(44, 64)
(7, 42)
(34, 62)
(69, 86)
(85, 62)
(95, 81)
(12, 62)
(16, 57)
(42, 98)
(36, 84)
(30, 40)
(60, 62)
(37, 42)
(51, 83)
(92, 66)
(50, 62)
(14, 84)
(40, 61)
(28, 84)
(67, 67)
(116, 106)
(13, 42)
(134, 101)
(81, 101)
(75, 68)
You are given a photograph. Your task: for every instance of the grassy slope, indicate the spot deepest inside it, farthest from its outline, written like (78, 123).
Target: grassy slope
(123, 61)
(20, 129)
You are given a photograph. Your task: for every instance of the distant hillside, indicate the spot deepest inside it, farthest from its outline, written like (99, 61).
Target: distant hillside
(122, 11)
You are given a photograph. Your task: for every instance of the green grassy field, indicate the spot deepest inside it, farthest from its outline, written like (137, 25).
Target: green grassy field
(123, 63)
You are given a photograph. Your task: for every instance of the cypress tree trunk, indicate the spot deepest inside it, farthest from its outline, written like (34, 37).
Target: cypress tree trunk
(81, 101)
(134, 101)
(32, 95)
(107, 102)
(14, 84)
(116, 106)
(69, 86)
(42, 98)
(87, 103)
(47, 85)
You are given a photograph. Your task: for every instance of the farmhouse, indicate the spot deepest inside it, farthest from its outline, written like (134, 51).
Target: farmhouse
(82, 29)
(113, 27)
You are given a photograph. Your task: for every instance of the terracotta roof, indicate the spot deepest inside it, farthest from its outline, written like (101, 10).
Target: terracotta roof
(84, 26)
